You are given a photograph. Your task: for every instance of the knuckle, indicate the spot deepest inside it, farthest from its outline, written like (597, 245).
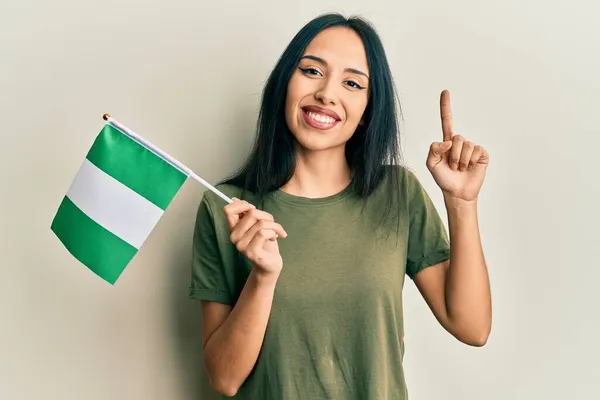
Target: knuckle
(261, 234)
(262, 224)
(254, 213)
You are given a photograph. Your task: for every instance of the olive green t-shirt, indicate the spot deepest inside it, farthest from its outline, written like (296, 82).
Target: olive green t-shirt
(336, 328)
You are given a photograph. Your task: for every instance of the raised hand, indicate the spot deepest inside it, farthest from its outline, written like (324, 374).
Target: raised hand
(457, 165)
(254, 233)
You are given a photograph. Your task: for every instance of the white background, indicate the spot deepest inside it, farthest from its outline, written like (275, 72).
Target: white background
(187, 75)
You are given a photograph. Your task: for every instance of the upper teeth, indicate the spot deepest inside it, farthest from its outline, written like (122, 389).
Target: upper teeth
(321, 118)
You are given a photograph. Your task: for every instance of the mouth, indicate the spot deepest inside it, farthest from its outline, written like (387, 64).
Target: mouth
(320, 118)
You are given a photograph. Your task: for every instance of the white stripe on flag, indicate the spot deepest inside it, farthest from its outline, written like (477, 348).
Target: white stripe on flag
(113, 205)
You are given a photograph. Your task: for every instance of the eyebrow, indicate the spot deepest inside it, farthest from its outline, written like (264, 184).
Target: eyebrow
(322, 61)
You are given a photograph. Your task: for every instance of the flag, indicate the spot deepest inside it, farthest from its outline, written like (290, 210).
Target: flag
(117, 197)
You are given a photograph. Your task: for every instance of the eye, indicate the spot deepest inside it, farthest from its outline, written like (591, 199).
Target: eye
(310, 71)
(354, 85)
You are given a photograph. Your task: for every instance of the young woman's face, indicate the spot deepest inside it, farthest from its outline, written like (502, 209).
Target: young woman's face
(328, 92)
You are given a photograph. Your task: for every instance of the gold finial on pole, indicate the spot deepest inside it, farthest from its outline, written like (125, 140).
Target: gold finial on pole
(106, 117)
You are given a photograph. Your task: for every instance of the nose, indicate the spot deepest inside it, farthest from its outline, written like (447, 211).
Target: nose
(326, 93)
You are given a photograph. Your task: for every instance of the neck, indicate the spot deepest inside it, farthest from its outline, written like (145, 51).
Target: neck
(319, 174)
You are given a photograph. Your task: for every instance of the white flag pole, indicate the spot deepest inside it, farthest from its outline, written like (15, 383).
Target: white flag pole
(164, 156)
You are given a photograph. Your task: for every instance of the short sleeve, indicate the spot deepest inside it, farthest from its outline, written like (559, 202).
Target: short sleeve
(428, 242)
(208, 280)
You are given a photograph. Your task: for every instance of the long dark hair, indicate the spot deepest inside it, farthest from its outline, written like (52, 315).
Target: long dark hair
(371, 149)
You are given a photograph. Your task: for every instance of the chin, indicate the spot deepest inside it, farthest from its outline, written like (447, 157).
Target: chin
(316, 141)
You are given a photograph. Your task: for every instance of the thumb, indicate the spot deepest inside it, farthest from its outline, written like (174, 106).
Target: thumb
(436, 152)
(437, 149)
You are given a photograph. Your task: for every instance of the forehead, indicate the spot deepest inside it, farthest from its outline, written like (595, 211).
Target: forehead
(341, 47)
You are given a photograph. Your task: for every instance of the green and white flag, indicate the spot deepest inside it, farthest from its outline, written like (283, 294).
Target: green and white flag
(117, 197)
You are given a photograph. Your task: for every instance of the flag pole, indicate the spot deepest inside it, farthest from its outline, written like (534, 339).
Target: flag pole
(165, 156)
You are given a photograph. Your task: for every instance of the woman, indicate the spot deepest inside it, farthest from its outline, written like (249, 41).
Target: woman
(301, 276)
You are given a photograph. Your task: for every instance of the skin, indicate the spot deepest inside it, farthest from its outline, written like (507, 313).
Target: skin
(457, 291)
(334, 75)
(321, 165)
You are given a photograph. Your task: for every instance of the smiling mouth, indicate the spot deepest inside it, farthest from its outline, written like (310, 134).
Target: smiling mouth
(318, 120)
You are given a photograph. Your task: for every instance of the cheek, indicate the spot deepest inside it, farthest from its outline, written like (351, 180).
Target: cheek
(290, 113)
(292, 98)
(356, 109)
(294, 88)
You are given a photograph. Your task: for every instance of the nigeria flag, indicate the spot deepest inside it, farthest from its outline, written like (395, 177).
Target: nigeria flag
(115, 200)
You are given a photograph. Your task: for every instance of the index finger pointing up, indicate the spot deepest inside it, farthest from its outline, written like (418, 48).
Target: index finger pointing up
(446, 115)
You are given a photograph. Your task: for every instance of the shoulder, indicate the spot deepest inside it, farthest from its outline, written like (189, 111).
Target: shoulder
(402, 177)
(397, 184)
(403, 186)
(227, 189)
(213, 204)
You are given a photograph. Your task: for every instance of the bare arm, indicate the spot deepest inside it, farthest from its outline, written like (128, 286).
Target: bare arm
(458, 291)
(233, 336)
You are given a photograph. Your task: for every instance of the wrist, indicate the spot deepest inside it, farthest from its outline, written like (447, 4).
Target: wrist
(453, 201)
(264, 278)
(460, 209)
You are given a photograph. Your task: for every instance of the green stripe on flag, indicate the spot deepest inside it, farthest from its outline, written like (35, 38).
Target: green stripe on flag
(135, 166)
(101, 251)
